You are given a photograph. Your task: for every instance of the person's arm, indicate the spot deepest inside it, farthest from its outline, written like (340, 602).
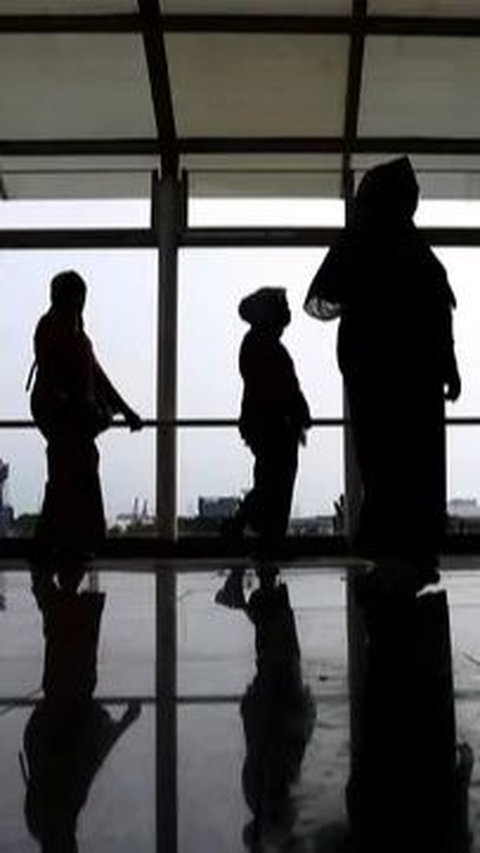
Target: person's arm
(452, 381)
(114, 399)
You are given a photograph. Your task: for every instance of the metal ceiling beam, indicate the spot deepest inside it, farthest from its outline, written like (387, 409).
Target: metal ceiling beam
(352, 100)
(78, 147)
(70, 24)
(158, 73)
(261, 24)
(240, 145)
(322, 24)
(423, 26)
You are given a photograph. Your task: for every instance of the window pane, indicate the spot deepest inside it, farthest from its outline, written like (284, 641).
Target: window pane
(127, 469)
(451, 213)
(463, 266)
(249, 212)
(214, 464)
(127, 472)
(212, 283)
(62, 213)
(463, 492)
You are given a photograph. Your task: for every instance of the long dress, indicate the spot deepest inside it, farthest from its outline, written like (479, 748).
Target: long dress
(396, 352)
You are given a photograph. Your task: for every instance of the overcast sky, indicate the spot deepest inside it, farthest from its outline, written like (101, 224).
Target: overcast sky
(121, 319)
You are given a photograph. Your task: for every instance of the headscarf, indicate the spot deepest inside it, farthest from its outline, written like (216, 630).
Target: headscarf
(387, 192)
(67, 289)
(382, 221)
(267, 306)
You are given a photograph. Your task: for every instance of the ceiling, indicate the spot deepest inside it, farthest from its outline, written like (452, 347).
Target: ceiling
(246, 95)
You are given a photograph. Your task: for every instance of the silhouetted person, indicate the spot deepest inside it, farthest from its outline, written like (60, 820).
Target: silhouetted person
(396, 354)
(69, 734)
(72, 402)
(278, 714)
(273, 421)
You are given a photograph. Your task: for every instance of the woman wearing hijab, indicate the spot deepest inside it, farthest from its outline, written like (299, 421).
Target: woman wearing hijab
(72, 402)
(273, 422)
(396, 354)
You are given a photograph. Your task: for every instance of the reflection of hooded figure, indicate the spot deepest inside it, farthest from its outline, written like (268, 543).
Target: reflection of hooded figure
(69, 734)
(278, 716)
(396, 354)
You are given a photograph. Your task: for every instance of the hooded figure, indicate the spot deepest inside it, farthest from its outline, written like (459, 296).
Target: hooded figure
(396, 354)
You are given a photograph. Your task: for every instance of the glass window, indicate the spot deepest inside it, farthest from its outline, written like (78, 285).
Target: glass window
(292, 211)
(215, 470)
(463, 488)
(80, 213)
(463, 270)
(212, 283)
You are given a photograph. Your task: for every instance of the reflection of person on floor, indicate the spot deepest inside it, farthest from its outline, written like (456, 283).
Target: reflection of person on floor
(69, 734)
(273, 421)
(396, 354)
(63, 753)
(278, 714)
(72, 402)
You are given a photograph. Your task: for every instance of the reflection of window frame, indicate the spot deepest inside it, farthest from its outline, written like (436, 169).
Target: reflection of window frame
(169, 232)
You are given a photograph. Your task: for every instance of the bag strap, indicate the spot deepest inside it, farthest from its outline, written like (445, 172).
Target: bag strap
(31, 374)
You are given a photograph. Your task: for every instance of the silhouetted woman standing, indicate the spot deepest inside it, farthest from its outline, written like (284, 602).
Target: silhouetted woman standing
(396, 354)
(72, 402)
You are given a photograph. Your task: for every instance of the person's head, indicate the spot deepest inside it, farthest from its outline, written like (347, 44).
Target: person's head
(387, 193)
(67, 293)
(267, 309)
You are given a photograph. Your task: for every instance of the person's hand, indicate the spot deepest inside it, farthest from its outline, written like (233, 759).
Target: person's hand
(133, 420)
(453, 386)
(133, 711)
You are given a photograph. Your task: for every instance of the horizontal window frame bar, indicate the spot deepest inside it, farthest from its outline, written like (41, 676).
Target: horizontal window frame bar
(61, 23)
(78, 238)
(220, 423)
(281, 236)
(240, 145)
(246, 24)
(208, 237)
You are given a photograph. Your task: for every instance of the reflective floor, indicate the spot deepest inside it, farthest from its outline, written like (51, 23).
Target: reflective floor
(185, 772)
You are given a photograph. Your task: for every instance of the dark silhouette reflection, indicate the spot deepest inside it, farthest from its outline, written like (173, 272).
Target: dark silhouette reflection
(69, 734)
(72, 402)
(278, 714)
(409, 781)
(396, 354)
(274, 418)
